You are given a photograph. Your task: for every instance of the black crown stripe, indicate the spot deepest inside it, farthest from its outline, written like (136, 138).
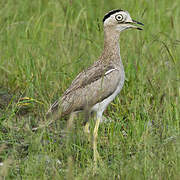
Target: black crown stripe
(110, 13)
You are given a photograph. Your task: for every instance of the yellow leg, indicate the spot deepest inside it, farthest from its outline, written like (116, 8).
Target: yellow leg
(95, 135)
(86, 128)
(87, 131)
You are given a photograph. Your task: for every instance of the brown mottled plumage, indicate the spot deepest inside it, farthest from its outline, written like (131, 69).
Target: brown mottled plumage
(96, 87)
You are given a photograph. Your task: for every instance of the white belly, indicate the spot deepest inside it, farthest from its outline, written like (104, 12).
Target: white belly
(100, 107)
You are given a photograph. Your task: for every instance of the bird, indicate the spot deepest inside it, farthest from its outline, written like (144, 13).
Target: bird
(97, 86)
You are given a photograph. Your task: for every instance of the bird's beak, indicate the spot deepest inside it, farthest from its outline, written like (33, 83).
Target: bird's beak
(136, 22)
(131, 23)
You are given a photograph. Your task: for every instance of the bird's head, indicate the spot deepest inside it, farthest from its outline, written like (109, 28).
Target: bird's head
(120, 20)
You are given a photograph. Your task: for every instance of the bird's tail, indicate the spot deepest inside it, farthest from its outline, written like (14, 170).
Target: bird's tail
(53, 107)
(54, 110)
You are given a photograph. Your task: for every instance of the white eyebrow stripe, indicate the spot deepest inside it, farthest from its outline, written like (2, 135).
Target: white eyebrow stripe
(109, 71)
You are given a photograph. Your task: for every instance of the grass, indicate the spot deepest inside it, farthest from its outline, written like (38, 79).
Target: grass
(44, 44)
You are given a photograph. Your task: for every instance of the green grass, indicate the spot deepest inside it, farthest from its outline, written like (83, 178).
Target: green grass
(43, 46)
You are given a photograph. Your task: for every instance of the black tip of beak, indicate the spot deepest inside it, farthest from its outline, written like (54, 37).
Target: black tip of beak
(138, 23)
(139, 28)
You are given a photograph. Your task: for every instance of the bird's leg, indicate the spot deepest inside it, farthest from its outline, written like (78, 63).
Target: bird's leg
(87, 131)
(86, 128)
(95, 135)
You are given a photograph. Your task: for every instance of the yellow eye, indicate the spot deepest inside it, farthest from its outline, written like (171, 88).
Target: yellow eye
(119, 17)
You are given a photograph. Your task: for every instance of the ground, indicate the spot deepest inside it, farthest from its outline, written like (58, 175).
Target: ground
(44, 44)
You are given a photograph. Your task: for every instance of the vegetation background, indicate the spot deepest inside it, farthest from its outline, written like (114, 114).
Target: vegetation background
(43, 46)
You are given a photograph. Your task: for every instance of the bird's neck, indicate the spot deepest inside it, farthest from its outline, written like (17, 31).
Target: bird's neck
(111, 50)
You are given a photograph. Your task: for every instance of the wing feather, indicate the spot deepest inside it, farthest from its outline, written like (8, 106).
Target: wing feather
(87, 88)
